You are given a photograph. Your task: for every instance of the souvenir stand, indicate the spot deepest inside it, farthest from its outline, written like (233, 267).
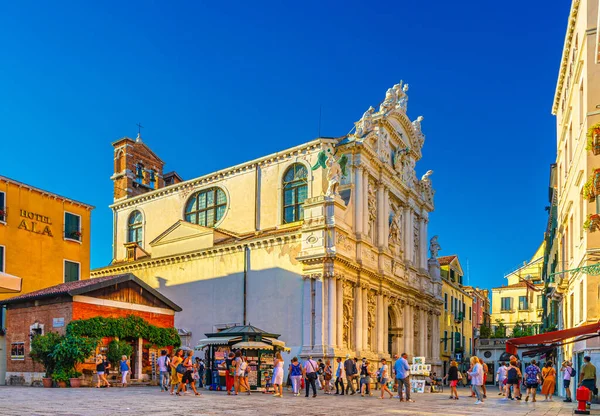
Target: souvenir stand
(257, 345)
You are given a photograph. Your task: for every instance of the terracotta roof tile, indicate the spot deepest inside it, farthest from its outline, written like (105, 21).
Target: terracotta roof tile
(446, 260)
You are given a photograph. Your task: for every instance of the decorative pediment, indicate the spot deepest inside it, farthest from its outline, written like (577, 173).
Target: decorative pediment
(182, 237)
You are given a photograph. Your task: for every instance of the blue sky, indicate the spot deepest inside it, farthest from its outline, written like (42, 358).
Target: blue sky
(216, 84)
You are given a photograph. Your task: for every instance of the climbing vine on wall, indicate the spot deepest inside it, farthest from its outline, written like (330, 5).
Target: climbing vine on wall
(129, 327)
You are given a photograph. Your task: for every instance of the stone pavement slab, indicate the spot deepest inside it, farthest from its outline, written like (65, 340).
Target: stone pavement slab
(147, 401)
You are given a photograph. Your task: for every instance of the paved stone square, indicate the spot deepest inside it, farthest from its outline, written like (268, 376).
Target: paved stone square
(147, 401)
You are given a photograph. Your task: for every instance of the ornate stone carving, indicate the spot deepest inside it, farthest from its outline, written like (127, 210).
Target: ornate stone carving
(429, 325)
(348, 318)
(383, 145)
(434, 247)
(395, 236)
(408, 172)
(372, 207)
(416, 242)
(418, 132)
(348, 289)
(426, 188)
(371, 313)
(398, 156)
(365, 124)
(395, 97)
(416, 322)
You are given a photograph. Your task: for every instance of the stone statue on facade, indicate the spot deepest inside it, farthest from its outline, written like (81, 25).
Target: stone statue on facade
(372, 206)
(395, 227)
(426, 187)
(403, 100)
(434, 247)
(417, 126)
(334, 175)
(389, 101)
(398, 158)
(365, 124)
(408, 171)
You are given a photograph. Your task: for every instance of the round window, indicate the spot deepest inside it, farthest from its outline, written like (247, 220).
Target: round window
(487, 354)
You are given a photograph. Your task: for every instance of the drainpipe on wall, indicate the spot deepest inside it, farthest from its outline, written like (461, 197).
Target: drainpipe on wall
(246, 258)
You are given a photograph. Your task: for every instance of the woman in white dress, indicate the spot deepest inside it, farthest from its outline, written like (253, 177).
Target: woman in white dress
(278, 375)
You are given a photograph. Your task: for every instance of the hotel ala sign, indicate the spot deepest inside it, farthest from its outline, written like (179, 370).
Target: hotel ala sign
(35, 223)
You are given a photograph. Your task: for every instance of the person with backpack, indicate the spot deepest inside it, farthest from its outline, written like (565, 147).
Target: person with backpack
(186, 369)
(513, 377)
(568, 373)
(351, 371)
(163, 369)
(532, 379)
(175, 375)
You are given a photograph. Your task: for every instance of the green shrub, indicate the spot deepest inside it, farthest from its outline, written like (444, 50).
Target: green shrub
(42, 348)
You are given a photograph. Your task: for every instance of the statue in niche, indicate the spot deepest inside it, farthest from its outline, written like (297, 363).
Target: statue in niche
(365, 124)
(416, 243)
(383, 145)
(395, 227)
(434, 247)
(372, 206)
(347, 334)
(372, 307)
(398, 158)
(417, 343)
(408, 172)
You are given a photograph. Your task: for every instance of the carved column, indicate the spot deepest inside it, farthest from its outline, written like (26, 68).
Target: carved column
(380, 323)
(340, 313)
(365, 305)
(331, 312)
(423, 243)
(319, 321)
(423, 332)
(307, 309)
(358, 314)
(408, 235)
(358, 199)
(435, 338)
(386, 324)
(386, 217)
(365, 193)
(380, 215)
(408, 329)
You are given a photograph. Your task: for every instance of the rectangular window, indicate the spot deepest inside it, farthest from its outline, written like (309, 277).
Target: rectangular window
(2, 207)
(2, 266)
(470, 347)
(17, 351)
(571, 309)
(72, 226)
(581, 104)
(581, 301)
(470, 313)
(445, 340)
(446, 302)
(540, 301)
(506, 304)
(571, 236)
(71, 271)
(451, 303)
(581, 213)
(523, 303)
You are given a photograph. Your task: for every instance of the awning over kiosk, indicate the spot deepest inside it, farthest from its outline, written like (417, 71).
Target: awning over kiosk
(252, 345)
(10, 283)
(553, 339)
(216, 341)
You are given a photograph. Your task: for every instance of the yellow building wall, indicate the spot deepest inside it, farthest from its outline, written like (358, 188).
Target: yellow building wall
(448, 326)
(35, 248)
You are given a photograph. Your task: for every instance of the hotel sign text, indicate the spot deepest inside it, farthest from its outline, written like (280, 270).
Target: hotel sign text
(35, 223)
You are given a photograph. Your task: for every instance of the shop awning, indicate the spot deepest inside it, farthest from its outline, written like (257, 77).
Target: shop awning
(275, 342)
(216, 341)
(10, 283)
(252, 345)
(554, 338)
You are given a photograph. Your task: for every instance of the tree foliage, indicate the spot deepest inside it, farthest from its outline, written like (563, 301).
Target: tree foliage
(42, 349)
(117, 349)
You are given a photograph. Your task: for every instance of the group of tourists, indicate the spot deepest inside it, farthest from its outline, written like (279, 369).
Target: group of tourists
(103, 369)
(180, 371)
(237, 369)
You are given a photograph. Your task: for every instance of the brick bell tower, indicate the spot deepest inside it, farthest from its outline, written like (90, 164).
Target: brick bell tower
(137, 169)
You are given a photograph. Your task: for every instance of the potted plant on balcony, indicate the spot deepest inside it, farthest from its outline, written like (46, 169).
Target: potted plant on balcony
(70, 352)
(593, 139)
(592, 223)
(42, 348)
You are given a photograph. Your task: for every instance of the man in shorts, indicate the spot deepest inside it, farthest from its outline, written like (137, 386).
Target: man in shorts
(500, 377)
(568, 372)
(532, 379)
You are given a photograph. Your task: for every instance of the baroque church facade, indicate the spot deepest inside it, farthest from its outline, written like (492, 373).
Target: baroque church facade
(324, 243)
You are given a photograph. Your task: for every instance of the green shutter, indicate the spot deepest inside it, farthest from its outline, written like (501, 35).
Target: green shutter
(72, 226)
(71, 271)
(1, 259)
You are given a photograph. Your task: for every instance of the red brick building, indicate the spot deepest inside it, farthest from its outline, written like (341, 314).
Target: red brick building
(52, 309)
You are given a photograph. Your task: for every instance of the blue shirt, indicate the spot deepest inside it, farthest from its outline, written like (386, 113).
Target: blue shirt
(401, 368)
(296, 370)
(532, 372)
(124, 366)
(338, 372)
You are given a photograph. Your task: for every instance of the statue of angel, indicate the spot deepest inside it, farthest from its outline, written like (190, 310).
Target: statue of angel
(365, 124)
(434, 247)
(335, 170)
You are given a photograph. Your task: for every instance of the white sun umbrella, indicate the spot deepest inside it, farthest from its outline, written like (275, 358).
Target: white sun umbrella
(185, 348)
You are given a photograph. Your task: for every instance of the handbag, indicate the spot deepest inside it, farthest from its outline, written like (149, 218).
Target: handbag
(460, 377)
(180, 369)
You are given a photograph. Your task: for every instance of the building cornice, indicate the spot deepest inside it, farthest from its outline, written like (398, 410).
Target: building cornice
(221, 174)
(565, 54)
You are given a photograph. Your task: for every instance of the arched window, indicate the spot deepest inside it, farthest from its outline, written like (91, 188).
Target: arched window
(206, 207)
(295, 191)
(134, 228)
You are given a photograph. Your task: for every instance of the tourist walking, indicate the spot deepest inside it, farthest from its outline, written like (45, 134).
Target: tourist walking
(351, 372)
(124, 367)
(513, 377)
(277, 380)
(402, 370)
(296, 375)
(501, 377)
(568, 372)
(327, 376)
(229, 372)
(453, 376)
(532, 380)
(365, 378)
(549, 377)
(477, 378)
(237, 371)
(340, 375)
(175, 375)
(587, 378)
(100, 370)
(245, 372)
(485, 371)
(310, 375)
(384, 379)
(163, 370)
(188, 371)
